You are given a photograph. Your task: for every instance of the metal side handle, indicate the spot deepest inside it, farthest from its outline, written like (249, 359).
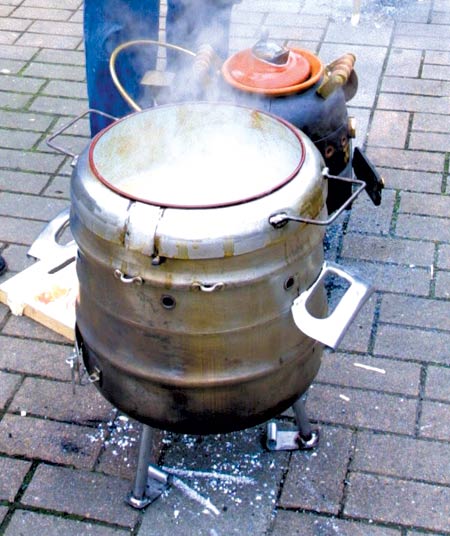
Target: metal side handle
(331, 330)
(50, 140)
(46, 244)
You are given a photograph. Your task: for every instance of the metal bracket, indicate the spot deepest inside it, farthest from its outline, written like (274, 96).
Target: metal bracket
(289, 440)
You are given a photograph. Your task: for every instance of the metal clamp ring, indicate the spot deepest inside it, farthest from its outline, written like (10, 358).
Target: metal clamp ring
(207, 287)
(126, 279)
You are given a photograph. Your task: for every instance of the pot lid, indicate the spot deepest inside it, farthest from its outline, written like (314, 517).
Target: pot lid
(250, 71)
(197, 155)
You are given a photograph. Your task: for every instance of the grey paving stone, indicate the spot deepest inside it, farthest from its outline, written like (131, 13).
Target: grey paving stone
(34, 357)
(357, 337)
(404, 310)
(389, 129)
(47, 440)
(59, 187)
(13, 101)
(11, 67)
(41, 13)
(16, 52)
(58, 106)
(437, 57)
(427, 43)
(16, 258)
(244, 508)
(90, 495)
(444, 256)
(437, 73)
(3, 512)
(425, 204)
(366, 33)
(432, 141)
(14, 24)
(442, 289)
(69, 57)
(55, 71)
(393, 278)
(391, 250)
(28, 523)
(414, 181)
(3, 312)
(301, 20)
(49, 41)
(25, 121)
(28, 183)
(417, 86)
(13, 472)
(422, 30)
(20, 84)
(435, 420)
(56, 27)
(56, 400)
(5, 10)
(17, 139)
(404, 62)
(399, 501)
(28, 161)
(413, 103)
(8, 384)
(304, 524)
(365, 409)
(431, 122)
(19, 231)
(30, 206)
(22, 326)
(64, 88)
(422, 228)
(8, 38)
(315, 480)
(120, 453)
(416, 344)
(370, 373)
(367, 218)
(54, 4)
(407, 160)
(402, 457)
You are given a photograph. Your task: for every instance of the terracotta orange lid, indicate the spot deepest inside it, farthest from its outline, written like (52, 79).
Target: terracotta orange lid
(247, 72)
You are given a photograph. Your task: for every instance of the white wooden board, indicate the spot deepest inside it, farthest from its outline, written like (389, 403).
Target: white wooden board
(46, 292)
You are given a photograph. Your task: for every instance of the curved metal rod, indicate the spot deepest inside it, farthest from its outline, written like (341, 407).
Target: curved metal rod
(137, 42)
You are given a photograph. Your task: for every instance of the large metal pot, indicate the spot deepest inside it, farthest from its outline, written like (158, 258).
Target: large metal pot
(193, 280)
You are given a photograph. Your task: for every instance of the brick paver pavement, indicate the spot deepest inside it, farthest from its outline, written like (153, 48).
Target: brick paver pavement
(383, 465)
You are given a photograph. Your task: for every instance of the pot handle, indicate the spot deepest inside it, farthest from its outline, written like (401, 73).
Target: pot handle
(280, 219)
(62, 150)
(331, 330)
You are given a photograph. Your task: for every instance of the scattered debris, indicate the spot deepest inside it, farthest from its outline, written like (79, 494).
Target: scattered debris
(368, 367)
(345, 398)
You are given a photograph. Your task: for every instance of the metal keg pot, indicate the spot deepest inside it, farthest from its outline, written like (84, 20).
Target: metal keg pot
(199, 228)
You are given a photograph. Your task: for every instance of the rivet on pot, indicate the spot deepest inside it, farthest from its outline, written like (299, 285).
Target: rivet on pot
(168, 302)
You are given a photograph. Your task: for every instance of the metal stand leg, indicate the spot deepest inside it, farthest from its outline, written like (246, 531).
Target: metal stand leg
(304, 439)
(146, 489)
(307, 437)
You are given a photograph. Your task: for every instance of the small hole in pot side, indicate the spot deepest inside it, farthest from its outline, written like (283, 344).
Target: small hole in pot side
(289, 283)
(168, 302)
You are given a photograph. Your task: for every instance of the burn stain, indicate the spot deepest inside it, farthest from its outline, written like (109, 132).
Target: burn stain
(257, 120)
(228, 247)
(69, 447)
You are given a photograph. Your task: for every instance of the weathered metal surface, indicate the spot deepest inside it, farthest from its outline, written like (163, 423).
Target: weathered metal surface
(207, 342)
